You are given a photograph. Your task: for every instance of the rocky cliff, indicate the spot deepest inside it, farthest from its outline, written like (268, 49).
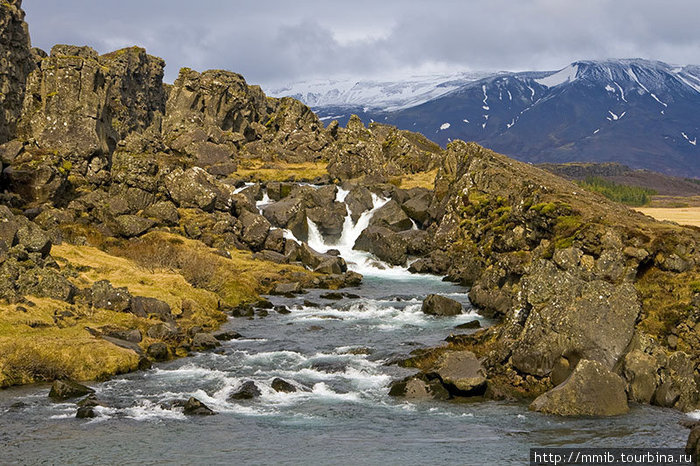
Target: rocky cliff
(16, 62)
(571, 276)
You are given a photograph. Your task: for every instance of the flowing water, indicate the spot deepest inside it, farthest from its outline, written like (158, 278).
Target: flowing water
(338, 355)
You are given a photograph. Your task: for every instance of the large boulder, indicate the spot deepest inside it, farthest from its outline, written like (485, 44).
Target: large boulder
(437, 305)
(461, 373)
(359, 200)
(417, 207)
(67, 389)
(356, 152)
(129, 226)
(288, 213)
(219, 102)
(45, 282)
(391, 216)
(246, 391)
(419, 387)
(163, 212)
(591, 390)
(329, 218)
(281, 385)
(384, 243)
(193, 188)
(692, 446)
(255, 228)
(640, 372)
(145, 307)
(204, 341)
(194, 407)
(105, 296)
(322, 263)
(33, 239)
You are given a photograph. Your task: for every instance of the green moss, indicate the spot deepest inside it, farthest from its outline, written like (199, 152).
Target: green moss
(544, 207)
(695, 287)
(52, 94)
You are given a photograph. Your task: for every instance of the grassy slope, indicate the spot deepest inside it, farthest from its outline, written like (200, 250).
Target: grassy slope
(48, 338)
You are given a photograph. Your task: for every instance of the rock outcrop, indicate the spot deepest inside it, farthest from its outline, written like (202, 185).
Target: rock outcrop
(570, 276)
(591, 390)
(16, 62)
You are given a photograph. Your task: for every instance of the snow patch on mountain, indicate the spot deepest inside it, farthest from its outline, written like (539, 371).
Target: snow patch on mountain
(565, 75)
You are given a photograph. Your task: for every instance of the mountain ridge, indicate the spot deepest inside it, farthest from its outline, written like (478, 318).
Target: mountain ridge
(638, 112)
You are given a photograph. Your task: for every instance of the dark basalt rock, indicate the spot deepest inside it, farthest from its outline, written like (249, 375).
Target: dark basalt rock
(419, 387)
(194, 407)
(692, 447)
(193, 188)
(469, 325)
(384, 243)
(247, 391)
(86, 412)
(591, 390)
(281, 385)
(163, 331)
(227, 335)
(105, 296)
(288, 288)
(391, 216)
(67, 389)
(204, 341)
(163, 212)
(358, 200)
(17, 63)
(461, 373)
(129, 226)
(145, 307)
(437, 305)
(158, 351)
(255, 229)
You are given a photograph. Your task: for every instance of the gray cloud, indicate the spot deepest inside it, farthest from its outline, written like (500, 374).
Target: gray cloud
(278, 41)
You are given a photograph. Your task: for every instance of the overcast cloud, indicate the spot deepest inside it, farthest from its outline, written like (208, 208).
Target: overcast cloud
(276, 41)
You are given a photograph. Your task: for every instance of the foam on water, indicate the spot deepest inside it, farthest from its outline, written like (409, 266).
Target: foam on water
(147, 410)
(379, 314)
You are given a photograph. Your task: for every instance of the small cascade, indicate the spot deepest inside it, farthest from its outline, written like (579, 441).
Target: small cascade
(358, 261)
(263, 202)
(241, 188)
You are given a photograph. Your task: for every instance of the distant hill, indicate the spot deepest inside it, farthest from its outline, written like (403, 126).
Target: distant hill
(641, 113)
(664, 185)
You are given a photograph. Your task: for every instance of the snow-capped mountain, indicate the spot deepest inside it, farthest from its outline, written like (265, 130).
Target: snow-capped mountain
(645, 114)
(375, 95)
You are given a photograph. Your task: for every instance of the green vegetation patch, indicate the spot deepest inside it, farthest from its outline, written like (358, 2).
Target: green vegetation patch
(625, 194)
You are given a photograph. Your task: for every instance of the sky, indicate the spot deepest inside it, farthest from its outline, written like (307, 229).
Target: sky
(274, 42)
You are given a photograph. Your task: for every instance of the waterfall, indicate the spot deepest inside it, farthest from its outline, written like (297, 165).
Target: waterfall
(358, 261)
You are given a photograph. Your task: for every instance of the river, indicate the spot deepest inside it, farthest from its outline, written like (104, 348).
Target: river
(338, 355)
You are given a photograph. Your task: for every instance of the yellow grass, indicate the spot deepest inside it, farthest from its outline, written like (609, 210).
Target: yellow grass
(35, 348)
(257, 170)
(418, 180)
(682, 216)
